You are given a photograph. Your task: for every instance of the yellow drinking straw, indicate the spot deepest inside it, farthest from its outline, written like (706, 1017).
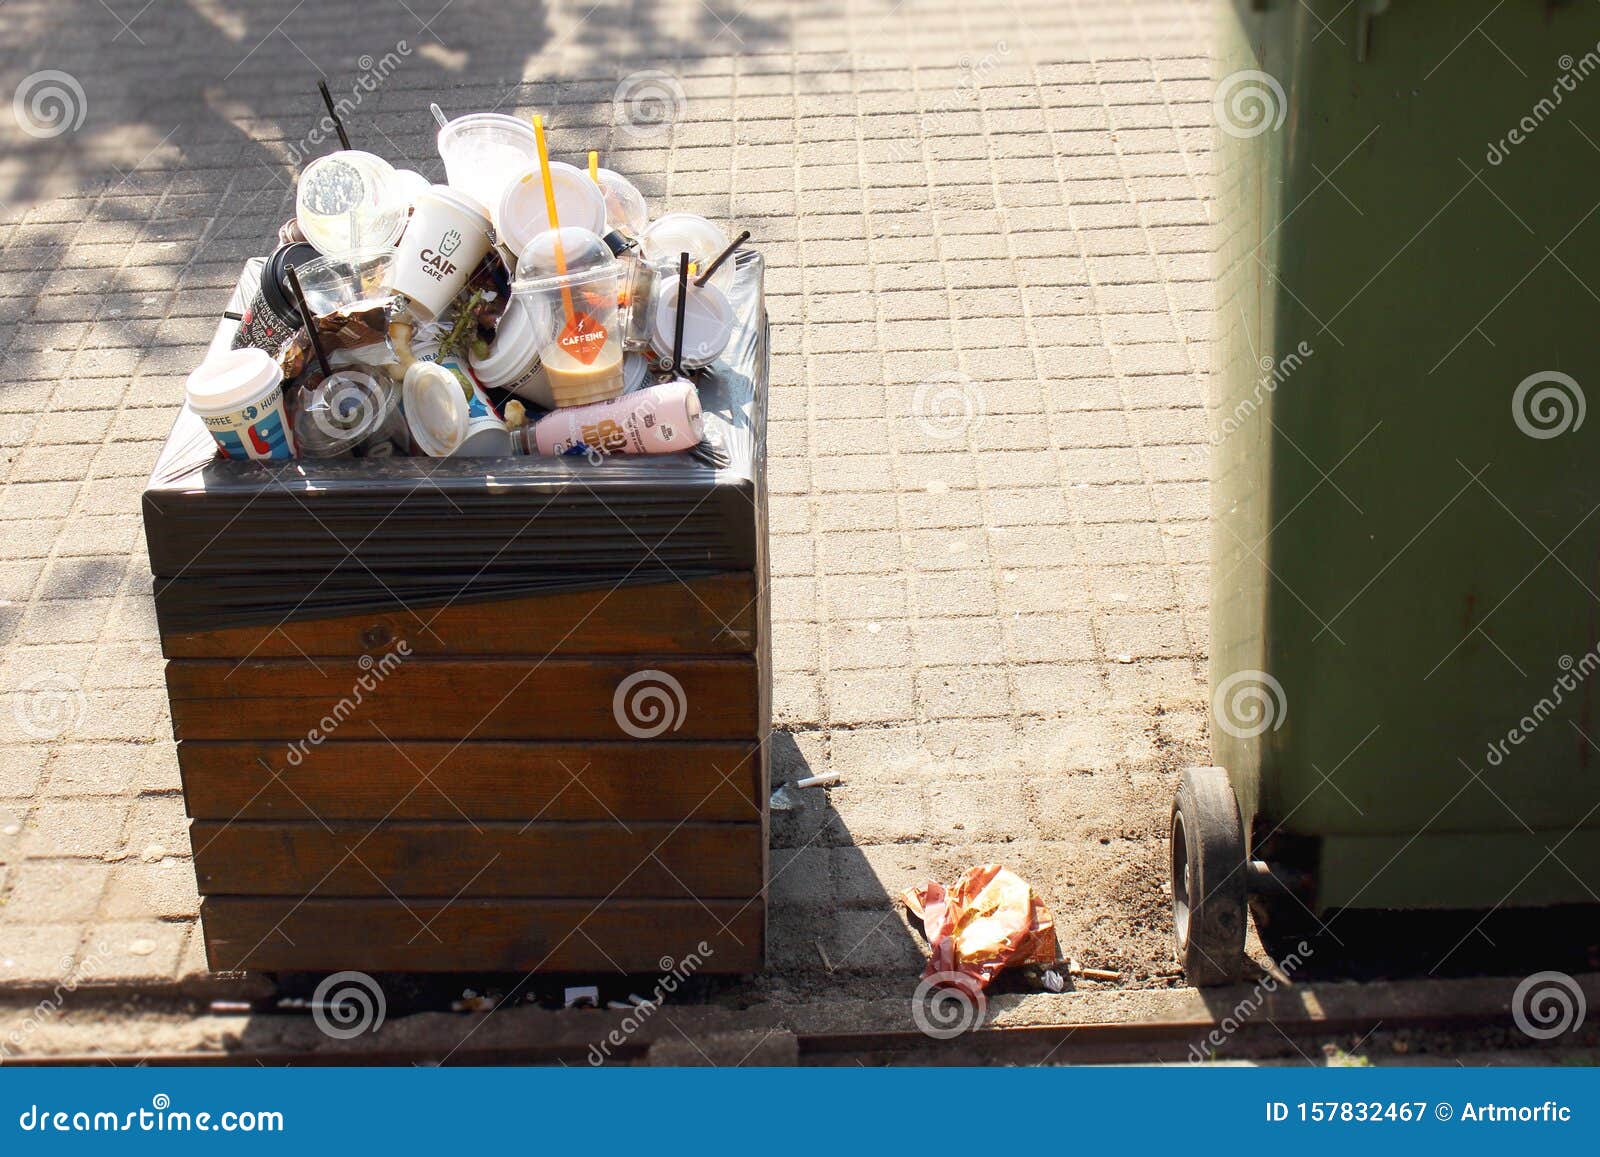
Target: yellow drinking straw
(594, 166)
(550, 208)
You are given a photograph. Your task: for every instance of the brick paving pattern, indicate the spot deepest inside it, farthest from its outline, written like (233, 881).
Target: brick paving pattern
(989, 285)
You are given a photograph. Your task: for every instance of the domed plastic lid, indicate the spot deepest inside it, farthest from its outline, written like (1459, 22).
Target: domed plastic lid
(582, 249)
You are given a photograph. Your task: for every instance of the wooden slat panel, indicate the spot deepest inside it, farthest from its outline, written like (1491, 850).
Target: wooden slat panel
(709, 615)
(633, 780)
(453, 698)
(410, 858)
(290, 934)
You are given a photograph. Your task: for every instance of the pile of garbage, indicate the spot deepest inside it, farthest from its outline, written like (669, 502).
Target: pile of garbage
(526, 306)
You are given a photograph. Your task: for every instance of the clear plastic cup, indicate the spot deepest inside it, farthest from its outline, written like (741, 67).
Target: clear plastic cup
(626, 210)
(582, 360)
(331, 283)
(347, 201)
(350, 412)
(483, 152)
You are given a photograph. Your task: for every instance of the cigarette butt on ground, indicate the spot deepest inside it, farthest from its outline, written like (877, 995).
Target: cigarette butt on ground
(826, 779)
(1077, 969)
(823, 952)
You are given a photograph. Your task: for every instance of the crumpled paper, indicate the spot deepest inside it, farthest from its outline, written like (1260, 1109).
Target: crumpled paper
(990, 920)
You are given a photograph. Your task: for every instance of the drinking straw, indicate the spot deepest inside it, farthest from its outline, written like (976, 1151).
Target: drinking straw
(338, 125)
(594, 166)
(438, 115)
(723, 256)
(311, 322)
(550, 209)
(683, 302)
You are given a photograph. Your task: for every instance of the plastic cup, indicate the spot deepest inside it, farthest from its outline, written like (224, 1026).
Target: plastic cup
(449, 416)
(483, 152)
(582, 359)
(446, 238)
(626, 210)
(521, 214)
(238, 394)
(350, 412)
(347, 200)
(707, 323)
(332, 283)
(675, 233)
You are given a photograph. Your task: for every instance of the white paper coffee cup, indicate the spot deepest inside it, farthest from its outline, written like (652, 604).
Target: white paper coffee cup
(446, 238)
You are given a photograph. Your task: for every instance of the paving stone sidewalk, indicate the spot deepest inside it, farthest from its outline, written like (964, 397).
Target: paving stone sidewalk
(989, 278)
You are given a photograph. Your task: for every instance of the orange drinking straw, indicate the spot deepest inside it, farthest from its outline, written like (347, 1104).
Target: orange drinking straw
(594, 166)
(550, 209)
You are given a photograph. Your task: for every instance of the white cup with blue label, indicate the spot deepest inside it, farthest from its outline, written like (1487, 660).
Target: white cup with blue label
(238, 394)
(447, 236)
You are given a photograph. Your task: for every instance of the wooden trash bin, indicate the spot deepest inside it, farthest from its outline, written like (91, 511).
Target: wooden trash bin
(476, 714)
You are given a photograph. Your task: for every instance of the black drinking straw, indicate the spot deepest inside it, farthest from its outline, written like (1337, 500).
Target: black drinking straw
(311, 322)
(338, 125)
(723, 256)
(683, 302)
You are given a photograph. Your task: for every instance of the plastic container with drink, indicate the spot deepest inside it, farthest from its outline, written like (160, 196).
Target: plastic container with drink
(483, 152)
(571, 274)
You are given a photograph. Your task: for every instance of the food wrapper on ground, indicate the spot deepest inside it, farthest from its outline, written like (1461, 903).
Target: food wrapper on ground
(989, 921)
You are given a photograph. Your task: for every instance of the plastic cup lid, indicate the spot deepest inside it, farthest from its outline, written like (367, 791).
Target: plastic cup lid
(522, 213)
(231, 379)
(707, 323)
(436, 409)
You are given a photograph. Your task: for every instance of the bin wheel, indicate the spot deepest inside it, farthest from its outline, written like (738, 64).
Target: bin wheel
(1209, 887)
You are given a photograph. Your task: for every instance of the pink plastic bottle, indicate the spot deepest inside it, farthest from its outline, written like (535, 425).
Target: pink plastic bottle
(659, 420)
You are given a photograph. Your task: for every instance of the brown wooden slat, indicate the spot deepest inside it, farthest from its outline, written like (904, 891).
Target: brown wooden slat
(290, 934)
(452, 698)
(632, 780)
(428, 858)
(716, 614)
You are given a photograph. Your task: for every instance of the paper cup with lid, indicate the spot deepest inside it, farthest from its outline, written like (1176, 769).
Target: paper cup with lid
(512, 362)
(349, 200)
(482, 152)
(675, 233)
(443, 243)
(238, 394)
(707, 323)
(449, 415)
(521, 214)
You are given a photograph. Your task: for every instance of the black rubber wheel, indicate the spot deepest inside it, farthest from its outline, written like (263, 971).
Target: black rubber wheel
(1209, 893)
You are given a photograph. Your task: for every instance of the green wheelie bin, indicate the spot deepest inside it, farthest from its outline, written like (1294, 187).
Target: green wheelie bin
(1405, 618)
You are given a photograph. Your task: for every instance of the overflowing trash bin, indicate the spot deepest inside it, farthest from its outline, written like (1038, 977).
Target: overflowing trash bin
(460, 560)
(1406, 555)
